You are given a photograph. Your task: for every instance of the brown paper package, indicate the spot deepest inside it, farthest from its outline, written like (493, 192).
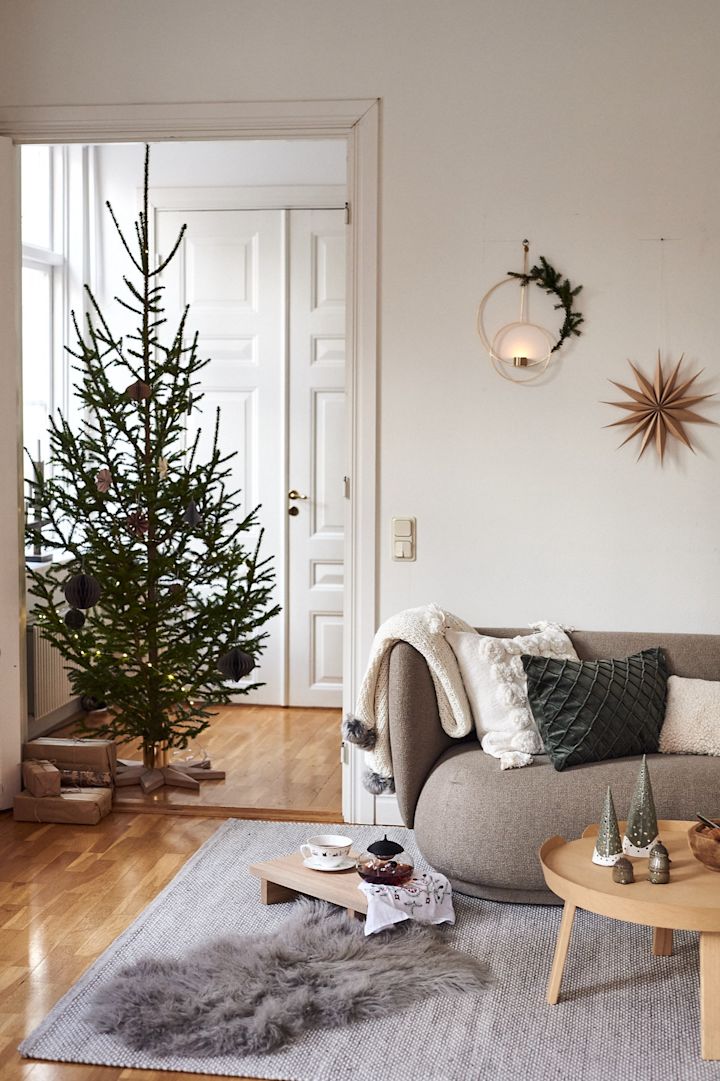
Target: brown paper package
(85, 807)
(99, 754)
(41, 778)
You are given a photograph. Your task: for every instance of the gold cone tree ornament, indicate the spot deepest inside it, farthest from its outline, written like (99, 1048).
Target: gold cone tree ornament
(641, 831)
(608, 846)
(660, 408)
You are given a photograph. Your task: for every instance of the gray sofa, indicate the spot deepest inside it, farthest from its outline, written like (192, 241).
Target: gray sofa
(483, 826)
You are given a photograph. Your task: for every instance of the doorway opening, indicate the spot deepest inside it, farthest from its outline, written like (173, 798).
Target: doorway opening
(264, 270)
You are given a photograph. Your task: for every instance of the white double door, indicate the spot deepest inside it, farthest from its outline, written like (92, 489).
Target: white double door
(266, 290)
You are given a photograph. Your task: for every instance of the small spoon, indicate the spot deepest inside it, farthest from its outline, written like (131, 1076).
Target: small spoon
(708, 822)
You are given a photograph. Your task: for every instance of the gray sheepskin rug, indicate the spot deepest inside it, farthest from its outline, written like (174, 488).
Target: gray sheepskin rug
(257, 993)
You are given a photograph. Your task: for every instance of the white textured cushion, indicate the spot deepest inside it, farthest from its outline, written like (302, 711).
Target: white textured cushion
(692, 717)
(496, 687)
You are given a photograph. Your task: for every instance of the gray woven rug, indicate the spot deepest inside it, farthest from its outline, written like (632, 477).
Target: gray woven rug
(624, 1014)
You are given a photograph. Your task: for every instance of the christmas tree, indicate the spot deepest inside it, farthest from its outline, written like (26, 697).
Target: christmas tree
(641, 830)
(608, 846)
(168, 595)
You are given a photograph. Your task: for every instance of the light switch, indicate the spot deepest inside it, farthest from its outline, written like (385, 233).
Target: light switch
(403, 539)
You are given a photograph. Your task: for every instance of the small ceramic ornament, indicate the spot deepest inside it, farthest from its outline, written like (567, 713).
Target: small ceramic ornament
(103, 480)
(163, 467)
(138, 391)
(659, 864)
(641, 830)
(623, 872)
(608, 846)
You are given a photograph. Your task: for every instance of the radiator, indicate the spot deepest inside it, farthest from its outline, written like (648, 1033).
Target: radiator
(49, 688)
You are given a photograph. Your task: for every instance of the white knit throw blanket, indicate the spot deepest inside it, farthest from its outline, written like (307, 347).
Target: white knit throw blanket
(424, 628)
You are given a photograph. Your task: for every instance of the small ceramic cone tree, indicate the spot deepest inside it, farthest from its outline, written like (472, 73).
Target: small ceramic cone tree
(608, 846)
(641, 830)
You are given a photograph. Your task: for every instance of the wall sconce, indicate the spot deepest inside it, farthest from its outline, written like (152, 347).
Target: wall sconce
(522, 344)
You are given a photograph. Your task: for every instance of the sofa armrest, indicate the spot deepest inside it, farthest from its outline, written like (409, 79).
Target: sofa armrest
(417, 738)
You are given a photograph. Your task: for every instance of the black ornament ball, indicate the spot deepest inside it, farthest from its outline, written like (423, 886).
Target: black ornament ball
(236, 664)
(89, 703)
(82, 591)
(74, 619)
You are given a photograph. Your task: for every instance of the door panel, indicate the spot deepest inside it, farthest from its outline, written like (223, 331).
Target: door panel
(247, 274)
(317, 455)
(231, 272)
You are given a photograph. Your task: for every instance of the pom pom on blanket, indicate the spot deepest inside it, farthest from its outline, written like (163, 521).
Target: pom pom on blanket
(354, 731)
(376, 784)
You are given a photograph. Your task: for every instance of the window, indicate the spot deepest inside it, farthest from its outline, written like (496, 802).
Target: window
(43, 275)
(58, 233)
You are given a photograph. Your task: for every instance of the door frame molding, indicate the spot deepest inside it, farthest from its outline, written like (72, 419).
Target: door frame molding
(358, 121)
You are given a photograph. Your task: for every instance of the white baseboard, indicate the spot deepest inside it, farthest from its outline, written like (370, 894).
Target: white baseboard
(387, 812)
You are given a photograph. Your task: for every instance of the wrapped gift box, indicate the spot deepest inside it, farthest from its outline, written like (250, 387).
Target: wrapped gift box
(41, 778)
(99, 755)
(83, 807)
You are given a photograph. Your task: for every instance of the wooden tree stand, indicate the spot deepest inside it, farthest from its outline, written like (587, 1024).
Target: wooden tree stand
(177, 776)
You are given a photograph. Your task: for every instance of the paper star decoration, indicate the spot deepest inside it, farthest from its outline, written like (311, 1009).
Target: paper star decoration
(659, 408)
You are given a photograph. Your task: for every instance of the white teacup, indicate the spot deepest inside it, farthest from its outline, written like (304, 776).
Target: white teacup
(328, 849)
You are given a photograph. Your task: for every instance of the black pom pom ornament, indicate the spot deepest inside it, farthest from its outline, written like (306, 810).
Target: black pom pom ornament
(82, 591)
(74, 619)
(89, 703)
(236, 664)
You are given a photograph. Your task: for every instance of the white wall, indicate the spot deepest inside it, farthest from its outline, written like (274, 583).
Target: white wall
(590, 128)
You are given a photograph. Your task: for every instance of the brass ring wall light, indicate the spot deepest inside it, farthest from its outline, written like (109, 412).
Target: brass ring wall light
(511, 348)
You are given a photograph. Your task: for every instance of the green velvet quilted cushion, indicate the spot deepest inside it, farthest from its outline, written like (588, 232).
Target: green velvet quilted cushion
(588, 711)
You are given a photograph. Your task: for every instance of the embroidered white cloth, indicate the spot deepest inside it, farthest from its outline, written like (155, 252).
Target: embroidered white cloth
(426, 898)
(424, 628)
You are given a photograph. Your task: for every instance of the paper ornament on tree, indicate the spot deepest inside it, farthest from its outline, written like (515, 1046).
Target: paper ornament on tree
(192, 515)
(82, 591)
(137, 523)
(608, 846)
(103, 480)
(163, 467)
(641, 830)
(236, 664)
(138, 392)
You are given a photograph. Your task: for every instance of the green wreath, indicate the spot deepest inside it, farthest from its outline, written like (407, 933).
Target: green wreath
(553, 283)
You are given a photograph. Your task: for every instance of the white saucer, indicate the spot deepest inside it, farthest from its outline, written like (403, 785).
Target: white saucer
(346, 864)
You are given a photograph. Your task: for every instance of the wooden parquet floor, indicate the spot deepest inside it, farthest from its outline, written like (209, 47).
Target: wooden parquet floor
(280, 763)
(65, 893)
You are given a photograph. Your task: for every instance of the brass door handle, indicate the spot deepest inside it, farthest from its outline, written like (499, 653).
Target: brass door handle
(294, 494)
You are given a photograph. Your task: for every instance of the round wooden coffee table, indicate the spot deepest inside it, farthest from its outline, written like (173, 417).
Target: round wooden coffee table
(690, 901)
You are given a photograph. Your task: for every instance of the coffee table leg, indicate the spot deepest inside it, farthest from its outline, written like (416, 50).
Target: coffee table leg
(272, 893)
(662, 945)
(710, 994)
(561, 949)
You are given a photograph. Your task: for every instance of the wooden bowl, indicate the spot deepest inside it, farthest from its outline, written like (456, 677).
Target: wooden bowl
(705, 845)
